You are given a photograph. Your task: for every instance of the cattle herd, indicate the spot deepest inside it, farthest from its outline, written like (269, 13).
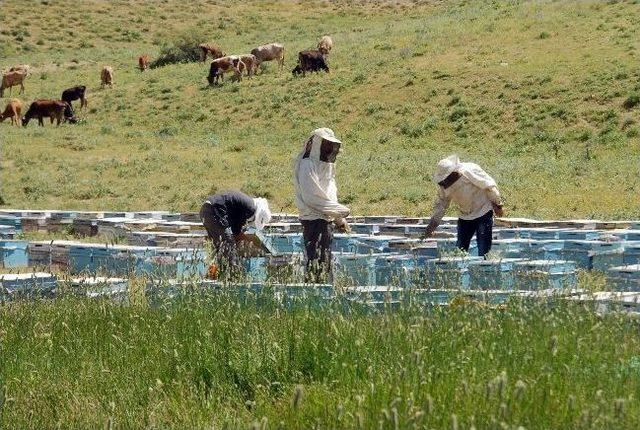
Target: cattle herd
(311, 60)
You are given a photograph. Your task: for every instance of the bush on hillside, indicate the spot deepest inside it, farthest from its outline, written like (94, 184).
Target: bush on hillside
(183, 49)
(632, 101)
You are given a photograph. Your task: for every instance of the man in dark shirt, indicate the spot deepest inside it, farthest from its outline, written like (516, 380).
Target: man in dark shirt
(225, 215)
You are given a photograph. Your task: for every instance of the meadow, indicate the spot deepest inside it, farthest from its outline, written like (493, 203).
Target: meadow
(207, 362)
(543, 94)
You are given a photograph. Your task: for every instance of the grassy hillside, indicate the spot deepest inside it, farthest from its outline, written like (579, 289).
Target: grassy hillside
(533, 91)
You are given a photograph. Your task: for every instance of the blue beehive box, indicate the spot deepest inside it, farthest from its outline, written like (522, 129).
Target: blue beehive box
(427, 249)
(631, 254)
(11, 221)
(27, 284)
(255, 267)
(578, 234)
(445, 273)
(355, 269)
(191, 263)
(543, 274)
(81, 259)
(631, 235)
(345, 243)
(492, 274)
(395, 270)
(603, 260)
(375, 244)
(13, 253)
(538, 233)
(448, 246)
(7, 232)
(505, 233)
(283, 242)
(625, 278)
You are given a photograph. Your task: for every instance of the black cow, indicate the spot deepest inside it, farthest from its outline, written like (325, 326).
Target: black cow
(311, 60)
(71, 94)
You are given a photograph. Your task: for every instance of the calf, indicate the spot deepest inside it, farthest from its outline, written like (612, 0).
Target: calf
(54, 109)
(325, 44)
(143, 62)
(223, 65)
(249, 63)
(310, 61)
(210, 48)
(71, 94)
(272, 51)
(106, 77)
(13, 78)
(13, 111)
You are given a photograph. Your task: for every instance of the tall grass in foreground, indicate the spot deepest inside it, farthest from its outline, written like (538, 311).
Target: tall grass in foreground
(212, 362)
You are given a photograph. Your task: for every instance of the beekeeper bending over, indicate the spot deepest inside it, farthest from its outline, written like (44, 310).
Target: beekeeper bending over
(317, 201)
(477, 197)
(225, 215)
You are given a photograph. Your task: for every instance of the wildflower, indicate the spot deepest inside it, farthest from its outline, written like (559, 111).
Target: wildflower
(454, 422)
(519, 391)
(297, 396)
(553, 345)
(618, 407)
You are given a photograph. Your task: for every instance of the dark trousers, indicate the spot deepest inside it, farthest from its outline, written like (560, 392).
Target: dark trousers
(317, 235)
(483, 229)
(221, 238)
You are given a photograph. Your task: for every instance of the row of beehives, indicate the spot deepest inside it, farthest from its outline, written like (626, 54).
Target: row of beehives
(119, 223)
(121, 290)
(368, 260)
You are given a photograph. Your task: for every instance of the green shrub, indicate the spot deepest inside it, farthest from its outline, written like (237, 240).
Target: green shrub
(632, 101)
(183, 49)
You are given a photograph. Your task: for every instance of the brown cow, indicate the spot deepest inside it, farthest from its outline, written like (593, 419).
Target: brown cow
(13, 111)
(272, 51)
(11, 79)
(220, 66)
(53, 109)
(106, 76)
(325, 44)
(249, 62)
(143, 62)
(210, 48)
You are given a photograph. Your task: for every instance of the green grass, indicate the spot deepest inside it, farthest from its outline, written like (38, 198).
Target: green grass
(542, 94)
(208, 362)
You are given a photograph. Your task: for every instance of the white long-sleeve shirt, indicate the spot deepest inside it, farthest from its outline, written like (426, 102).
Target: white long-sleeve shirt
(472, 200)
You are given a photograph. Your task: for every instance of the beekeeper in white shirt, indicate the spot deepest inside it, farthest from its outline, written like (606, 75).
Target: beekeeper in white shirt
(317, 200)
(477, 197)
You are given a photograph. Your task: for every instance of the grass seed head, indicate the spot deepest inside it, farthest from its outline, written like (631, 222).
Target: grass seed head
(297, 396)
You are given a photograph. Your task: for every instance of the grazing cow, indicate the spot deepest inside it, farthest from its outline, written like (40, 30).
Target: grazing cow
(106, 76)
(13, 111)
(143, 62)
(272, 51)
(210, 48)
(325, 44)
(220, 66)
(11, 79)
(53, 109)
(71, 94)
(310, 61)
(249, 62)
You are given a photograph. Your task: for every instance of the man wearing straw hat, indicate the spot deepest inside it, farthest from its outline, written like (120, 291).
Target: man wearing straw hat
(477, 197)
(317, 200)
